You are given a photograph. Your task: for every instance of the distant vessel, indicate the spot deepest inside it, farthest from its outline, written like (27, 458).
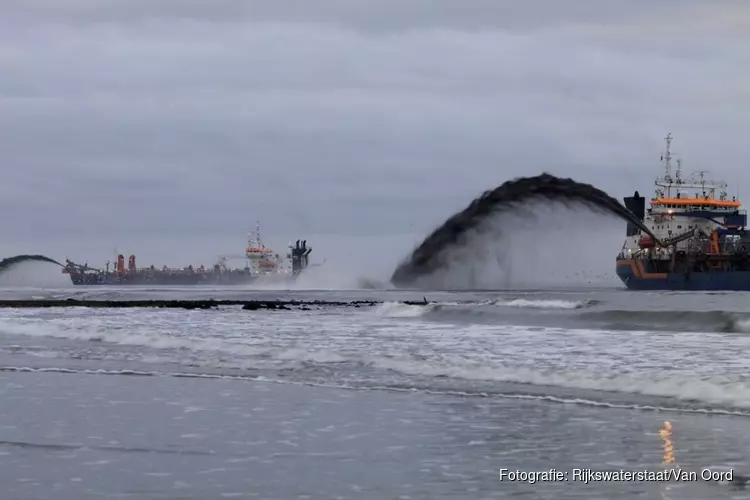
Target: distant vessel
(701, 242)
(262, 264)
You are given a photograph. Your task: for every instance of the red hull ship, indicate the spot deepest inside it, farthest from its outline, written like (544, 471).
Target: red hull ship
(261, 264)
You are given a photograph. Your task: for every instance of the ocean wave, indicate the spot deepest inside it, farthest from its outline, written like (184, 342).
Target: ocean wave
(572, 314)
(707, 391)
(359, 348)
(198, 350)
(693, 321)
(547, 304)
(403, 310)
(708, 397)
(123, 337)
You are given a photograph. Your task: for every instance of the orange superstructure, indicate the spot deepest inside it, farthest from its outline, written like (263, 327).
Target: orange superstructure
(696, 201)
(260, 258)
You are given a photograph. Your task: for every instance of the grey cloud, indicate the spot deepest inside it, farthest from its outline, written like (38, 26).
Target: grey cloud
(362, 14)
(166, 122)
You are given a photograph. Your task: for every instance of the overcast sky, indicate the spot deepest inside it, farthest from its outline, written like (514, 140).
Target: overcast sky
(166, 129)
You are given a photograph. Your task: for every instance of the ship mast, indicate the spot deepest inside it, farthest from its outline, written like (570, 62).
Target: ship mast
(702, 174)
(668, 158)
(667, 181)
(697, 181)
(257, 234)
(253, 238)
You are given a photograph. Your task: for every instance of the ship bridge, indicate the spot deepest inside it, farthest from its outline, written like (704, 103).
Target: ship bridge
(696, 197)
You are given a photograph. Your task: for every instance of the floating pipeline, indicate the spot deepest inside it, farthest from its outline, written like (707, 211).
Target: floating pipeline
(10, 262)
(509, 196)
(249, 305)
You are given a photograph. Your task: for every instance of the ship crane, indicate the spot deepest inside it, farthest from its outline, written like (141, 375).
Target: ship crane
(681, 237)
(85, 267)
(222, 259)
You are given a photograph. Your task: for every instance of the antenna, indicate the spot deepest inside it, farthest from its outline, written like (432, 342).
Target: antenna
(668, 158)
(702, 174)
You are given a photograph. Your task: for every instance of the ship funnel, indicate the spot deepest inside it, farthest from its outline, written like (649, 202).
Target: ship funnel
(304, 244)
(637, 205)
(297, 244)
(120, 264)
(131, 263)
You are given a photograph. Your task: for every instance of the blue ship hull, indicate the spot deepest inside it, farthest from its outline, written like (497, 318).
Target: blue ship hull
(636, 275)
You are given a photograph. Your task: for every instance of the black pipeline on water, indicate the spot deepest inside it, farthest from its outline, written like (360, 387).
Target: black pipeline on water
(11, 262)
(509, 196)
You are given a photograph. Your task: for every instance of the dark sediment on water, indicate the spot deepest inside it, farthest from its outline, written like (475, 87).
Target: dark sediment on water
(10, 262)
(429, 256)
(250, 305)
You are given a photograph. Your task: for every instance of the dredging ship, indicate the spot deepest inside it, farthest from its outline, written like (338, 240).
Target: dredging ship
(701, 241)
(262, 265)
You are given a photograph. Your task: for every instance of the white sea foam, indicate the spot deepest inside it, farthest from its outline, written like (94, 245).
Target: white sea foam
(719, 390)
(401, 310)
(742, 325)
(696, 366)
(708, 392)
(545, 304)
(160, 340)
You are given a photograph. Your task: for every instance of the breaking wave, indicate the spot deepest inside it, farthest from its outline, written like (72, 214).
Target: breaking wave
(401, 310)
(547, 304)
(728, 396)
(722, 391)
(576, 357)
(124, 338)
(663, 392)
(481, 308)
(692, 321)
(572, 313)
